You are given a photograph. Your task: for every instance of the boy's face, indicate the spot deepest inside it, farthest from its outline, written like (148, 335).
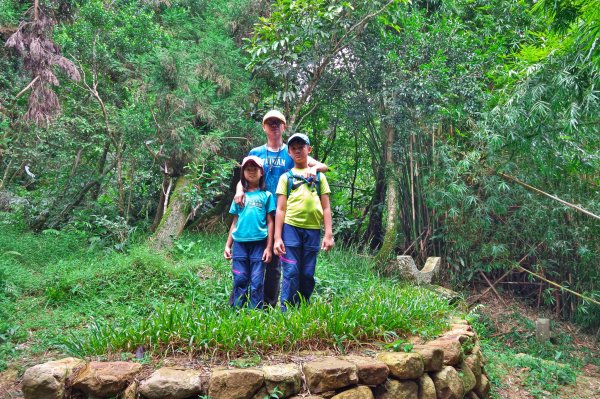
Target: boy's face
(299, 151)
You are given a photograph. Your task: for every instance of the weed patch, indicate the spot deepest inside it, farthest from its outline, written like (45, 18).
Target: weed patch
(544, 367)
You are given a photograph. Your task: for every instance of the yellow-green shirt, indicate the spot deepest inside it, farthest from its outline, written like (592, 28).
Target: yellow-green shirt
(304, 204)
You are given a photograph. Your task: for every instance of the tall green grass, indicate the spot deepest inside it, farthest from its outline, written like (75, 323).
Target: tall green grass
(370, 314)
(59, 292)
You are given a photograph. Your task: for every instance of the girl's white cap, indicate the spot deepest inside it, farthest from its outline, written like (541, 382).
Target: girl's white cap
(252, 158)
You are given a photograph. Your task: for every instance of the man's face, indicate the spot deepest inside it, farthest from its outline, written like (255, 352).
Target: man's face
(273, 127)
(298, 150)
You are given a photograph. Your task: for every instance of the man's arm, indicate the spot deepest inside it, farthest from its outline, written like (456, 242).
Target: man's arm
(327, 243)
(315, 166)
(313, 163)
(278, 246)
(239, 194)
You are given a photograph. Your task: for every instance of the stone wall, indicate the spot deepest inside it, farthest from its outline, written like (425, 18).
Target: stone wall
(450, 367)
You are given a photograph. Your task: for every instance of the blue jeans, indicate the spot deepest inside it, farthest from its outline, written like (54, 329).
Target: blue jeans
(272, 281)
(248, 272)
(298, 264)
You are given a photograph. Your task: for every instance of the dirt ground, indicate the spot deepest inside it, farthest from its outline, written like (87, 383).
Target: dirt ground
(512, 387)
(588, 382)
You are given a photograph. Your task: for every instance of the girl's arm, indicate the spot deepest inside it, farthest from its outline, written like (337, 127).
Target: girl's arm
(278, 247)
(229, 243)
(268, 252)
(327, 243)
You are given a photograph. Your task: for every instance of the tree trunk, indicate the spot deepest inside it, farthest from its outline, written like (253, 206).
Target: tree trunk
(161, 203)
(174, 218)
(374, 232)
(100, 168)
(391, 197)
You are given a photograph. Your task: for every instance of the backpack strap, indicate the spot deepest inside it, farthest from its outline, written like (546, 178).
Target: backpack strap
(290, 181)
(318, 183)
(291, 176)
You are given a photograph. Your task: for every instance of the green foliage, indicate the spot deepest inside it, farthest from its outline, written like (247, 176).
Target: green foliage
(245, 362)
(275, 394)
(193, 329)
(437, 97)
(11, 12)
(163, 86)
(541, 129)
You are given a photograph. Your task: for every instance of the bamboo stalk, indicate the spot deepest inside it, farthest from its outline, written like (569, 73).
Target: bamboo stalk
(538, 191)
(508, 272)
(492, 287)
(587, 298)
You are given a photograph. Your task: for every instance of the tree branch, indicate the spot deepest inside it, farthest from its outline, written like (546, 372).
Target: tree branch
(27, 87)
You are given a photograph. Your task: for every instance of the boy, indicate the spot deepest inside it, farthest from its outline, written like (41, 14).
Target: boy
(302, 207)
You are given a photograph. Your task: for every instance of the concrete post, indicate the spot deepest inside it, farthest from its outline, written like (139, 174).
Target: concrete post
(542, 329)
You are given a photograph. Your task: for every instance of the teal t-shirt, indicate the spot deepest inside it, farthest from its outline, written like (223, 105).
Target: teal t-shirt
(252, 218)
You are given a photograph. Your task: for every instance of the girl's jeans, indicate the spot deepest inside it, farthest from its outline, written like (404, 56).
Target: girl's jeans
(248, 272)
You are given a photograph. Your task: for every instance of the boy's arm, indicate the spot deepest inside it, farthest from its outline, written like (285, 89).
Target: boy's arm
(268, 252)
(227, 251)
(278, 246)
(327, 243)
(239, 194)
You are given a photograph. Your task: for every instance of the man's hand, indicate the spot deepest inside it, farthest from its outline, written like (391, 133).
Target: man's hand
(327, 243)
(279, 248)
(227, 253)
(239, 198)
(267, 255)
(311, 172)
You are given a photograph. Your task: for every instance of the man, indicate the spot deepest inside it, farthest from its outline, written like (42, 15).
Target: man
(276, 162)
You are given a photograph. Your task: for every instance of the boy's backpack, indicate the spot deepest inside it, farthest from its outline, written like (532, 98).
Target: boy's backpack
(312, 182)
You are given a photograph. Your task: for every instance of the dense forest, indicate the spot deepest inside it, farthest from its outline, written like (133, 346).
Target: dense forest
(465, 129)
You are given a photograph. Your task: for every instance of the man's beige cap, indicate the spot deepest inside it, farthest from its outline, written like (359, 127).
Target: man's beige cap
(274, 114)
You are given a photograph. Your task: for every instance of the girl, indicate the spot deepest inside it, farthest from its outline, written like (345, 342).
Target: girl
(251, 234)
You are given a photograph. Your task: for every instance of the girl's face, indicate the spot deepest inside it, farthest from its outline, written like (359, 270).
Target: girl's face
(252, 174)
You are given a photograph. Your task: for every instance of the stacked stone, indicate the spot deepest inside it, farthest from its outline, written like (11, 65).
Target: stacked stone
(439, 369)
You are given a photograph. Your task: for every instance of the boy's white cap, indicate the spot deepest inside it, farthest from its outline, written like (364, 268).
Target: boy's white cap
(254, 159)
(299, 137)
(274, 114)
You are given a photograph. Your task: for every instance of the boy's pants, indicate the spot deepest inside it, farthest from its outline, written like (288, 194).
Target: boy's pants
(298, 263)
(248, 270)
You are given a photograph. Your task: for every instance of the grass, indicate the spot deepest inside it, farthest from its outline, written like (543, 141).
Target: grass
(544, 367)
(59, 292)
